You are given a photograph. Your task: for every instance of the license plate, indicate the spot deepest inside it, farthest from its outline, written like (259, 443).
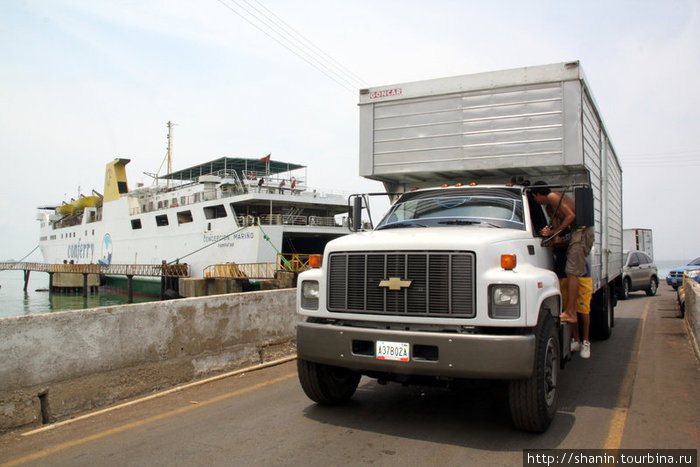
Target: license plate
(399, 351)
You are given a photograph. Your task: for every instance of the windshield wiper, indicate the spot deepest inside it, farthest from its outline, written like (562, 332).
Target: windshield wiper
(397, 225)
(468, 222)
(459, 222)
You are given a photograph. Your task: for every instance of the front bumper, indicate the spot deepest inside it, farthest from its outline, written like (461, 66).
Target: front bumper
(454, 355)
(674, 281)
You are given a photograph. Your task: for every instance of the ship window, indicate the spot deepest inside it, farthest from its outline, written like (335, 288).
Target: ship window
(184, 217)
(215, 212)
(183, 200)
(122, 187)
(162, 220)
(135, 224)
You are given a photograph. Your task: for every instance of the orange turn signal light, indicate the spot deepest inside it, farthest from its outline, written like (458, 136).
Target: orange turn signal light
(508, 262)
(315, 261)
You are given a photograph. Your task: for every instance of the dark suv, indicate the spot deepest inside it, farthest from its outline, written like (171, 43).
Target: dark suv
(638, 273)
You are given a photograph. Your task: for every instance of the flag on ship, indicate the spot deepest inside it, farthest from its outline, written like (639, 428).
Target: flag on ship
(266, 158)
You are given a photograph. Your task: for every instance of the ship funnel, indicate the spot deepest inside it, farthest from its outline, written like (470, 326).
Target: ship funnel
(115, 179)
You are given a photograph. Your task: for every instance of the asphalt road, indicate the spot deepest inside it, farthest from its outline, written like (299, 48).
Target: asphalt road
(639, 390)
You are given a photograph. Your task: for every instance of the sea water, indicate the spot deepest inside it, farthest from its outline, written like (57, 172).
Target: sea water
(14, 301)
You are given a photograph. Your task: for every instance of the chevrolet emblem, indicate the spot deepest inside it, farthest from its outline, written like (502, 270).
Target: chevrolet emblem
(395, 283)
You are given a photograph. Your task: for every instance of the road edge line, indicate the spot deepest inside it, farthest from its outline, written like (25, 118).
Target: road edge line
(161, 394)
(613, 440)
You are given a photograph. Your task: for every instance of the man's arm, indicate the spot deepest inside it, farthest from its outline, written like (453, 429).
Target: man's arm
(566, 213)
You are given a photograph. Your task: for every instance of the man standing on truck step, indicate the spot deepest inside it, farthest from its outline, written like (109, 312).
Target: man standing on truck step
(564, 216)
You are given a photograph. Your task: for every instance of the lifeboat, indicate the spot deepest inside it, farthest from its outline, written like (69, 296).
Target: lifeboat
(65, 209)
(78, 205)
(86, 202)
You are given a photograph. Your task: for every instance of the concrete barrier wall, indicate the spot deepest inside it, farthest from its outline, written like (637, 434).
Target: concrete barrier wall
(57, 364)
(692, 311)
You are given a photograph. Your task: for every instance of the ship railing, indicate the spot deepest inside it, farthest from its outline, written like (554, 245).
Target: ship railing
(271, 187)
(241, 270)
(153, 270)
(283, 219)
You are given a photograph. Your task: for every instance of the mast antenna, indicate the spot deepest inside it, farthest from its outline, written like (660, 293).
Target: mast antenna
(168, 159)
(170, 151)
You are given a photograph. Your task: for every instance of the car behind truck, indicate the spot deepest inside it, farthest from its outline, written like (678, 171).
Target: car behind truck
(455, 282)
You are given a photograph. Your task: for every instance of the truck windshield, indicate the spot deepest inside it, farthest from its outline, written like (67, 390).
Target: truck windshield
(482, 207)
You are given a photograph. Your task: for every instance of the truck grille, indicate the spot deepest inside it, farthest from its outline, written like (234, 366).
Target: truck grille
(442, 283)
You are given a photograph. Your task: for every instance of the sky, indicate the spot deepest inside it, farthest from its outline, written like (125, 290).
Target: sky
(85, 81)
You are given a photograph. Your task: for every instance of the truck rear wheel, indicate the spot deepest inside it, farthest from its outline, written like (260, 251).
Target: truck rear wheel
(327, 385)
(602, 313)
(533, 401)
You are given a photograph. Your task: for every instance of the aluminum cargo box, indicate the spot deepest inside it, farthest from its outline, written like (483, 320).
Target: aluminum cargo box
(527, 121)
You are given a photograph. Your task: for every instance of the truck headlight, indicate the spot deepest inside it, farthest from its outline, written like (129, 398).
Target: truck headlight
(504, 301)
(309, 295)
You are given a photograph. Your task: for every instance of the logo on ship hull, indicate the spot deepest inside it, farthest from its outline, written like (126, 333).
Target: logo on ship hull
(106, 250)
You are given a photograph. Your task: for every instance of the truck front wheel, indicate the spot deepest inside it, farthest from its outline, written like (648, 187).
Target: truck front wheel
(327, 385)
(533, 401)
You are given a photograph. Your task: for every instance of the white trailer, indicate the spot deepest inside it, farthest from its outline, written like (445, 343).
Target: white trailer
(638, 239)
(456, 282)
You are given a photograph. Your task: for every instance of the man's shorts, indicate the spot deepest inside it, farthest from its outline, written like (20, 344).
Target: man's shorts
(585, 293)
(579, 248)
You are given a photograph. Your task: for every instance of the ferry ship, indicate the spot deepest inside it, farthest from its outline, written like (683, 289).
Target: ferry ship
(228, 210)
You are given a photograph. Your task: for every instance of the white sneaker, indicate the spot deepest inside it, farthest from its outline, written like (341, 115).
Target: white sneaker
(586, 350)
(575, 346)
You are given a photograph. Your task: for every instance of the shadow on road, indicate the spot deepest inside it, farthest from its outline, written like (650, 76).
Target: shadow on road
(477, 415)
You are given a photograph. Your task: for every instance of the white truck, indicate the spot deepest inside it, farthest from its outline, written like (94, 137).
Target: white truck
(638, 239)
(455, 282)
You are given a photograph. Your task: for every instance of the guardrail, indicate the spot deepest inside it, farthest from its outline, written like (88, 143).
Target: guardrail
(153, 270)
(241, 271)
(292, 262)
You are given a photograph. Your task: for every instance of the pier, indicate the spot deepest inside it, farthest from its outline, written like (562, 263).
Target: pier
(218, 278)
(165, 271)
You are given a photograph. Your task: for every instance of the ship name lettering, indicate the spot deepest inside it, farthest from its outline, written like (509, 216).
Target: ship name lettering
(80, 250)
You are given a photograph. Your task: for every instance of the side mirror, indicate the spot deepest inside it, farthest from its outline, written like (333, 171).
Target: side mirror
(584, 206)
(356, 203)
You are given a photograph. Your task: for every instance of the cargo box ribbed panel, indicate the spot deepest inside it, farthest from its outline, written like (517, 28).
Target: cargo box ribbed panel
(478, 126)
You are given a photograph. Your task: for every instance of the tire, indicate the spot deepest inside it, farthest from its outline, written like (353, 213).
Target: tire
(602, 314)
(327, 385)
(653, 287)
(533, 401)
(625, 288)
